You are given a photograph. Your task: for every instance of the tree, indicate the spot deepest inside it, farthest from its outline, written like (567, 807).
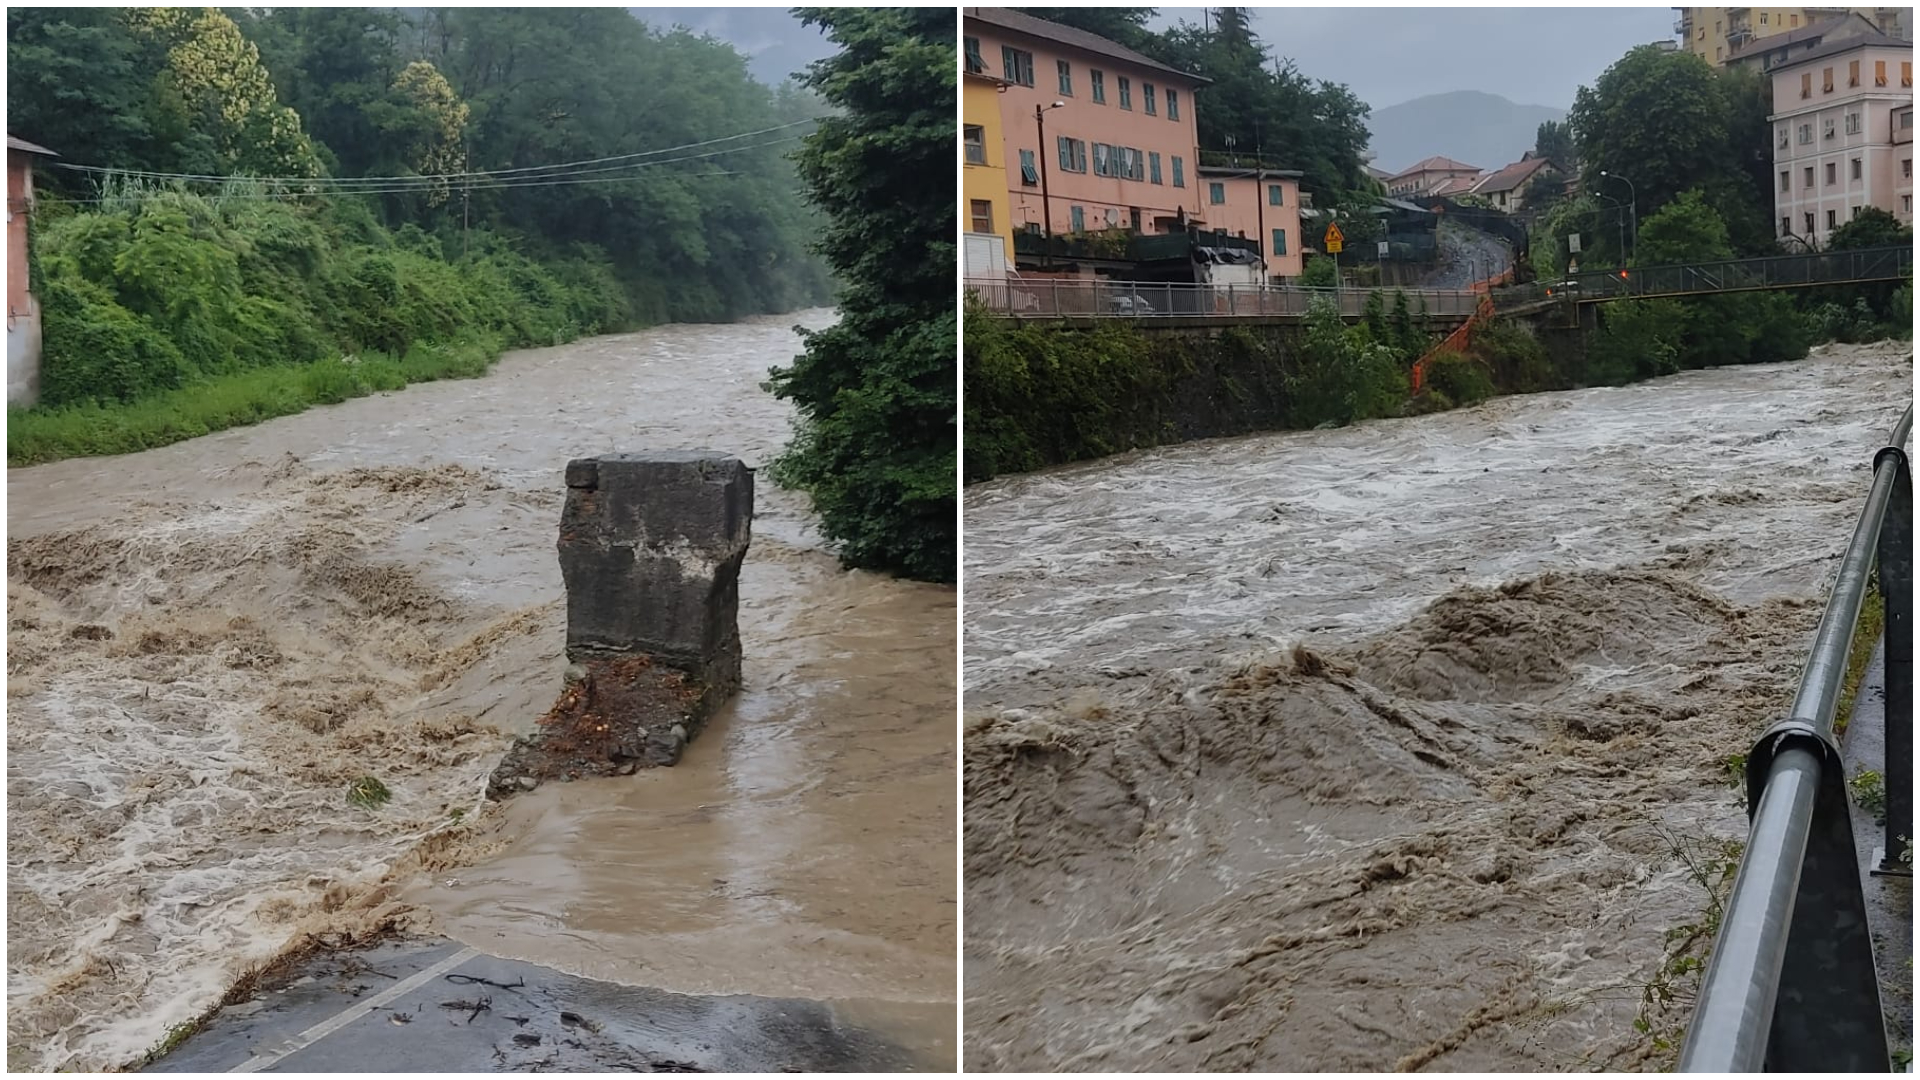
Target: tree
(213, 83)
(1669, 123)
(1684, 230)
(1873, 228)
(79, 82)
(1553, 140)
(875, 442)
(1124, 25)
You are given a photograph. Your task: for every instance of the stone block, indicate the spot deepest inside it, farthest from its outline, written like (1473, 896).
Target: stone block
(650, 548)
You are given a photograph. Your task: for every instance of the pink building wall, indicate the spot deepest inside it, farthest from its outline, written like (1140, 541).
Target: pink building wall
(1102, 199)
(1249, 211)
(1883, 149)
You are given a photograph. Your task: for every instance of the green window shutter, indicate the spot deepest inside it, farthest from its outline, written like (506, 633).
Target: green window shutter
(1028, 174)
(1179, 173)
(1153, 165)
(1275, 195)
(1217, 194)
(1279, 241)
(1079, 219)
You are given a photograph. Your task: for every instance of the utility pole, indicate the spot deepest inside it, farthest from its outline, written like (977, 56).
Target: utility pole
(1260, 202)
(1046, 203)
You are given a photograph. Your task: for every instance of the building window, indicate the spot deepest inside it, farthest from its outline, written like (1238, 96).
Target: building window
(1079, 218)
(1028, 174)
(1066, 77)
(1853, 123)
(1102, 163)
(982, 215)
(1906, 120)
(1807, 179)
(1853, 172)
(1833, 219)
(1126, 93)
(1783, 137)
(1217, 194)
(976, 139)
(1906, 73)
(1139, 164)
(1763, 18)
(1153, 166)
(1786, 226)
(1853, 73)
(1826, 128)
(1906, 204)
(1276, 195)
(1806, 134)
(1099, 79)
(1279, 241)
(1146, 99)
(1906, 168)
(1717, 51)
(1179, 172)
(1806, 84)
(974, 63)
(1073, 155)
(1795, 23)
(1784, 185)
(1853, 212)
(1879, 73)
(1808, 218)
(1018, 65)
(1173, 104)
(1833, 172)
(1826, 80)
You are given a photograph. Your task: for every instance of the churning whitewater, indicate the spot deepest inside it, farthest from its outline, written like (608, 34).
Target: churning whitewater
(213, 642)
(1397, 746)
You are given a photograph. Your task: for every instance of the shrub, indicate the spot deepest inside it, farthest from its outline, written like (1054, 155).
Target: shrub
(1340, 377)
(1515, 357)
(1638, 339)
(1458, 378)
(95, 350)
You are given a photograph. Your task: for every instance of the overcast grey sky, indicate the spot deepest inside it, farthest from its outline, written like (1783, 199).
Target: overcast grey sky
(1528, 55)
(776, 46)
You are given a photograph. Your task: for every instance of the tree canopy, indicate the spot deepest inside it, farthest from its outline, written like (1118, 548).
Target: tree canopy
(876, 443)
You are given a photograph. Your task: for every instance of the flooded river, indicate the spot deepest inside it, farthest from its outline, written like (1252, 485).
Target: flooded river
(209, 642)
(1397, 746)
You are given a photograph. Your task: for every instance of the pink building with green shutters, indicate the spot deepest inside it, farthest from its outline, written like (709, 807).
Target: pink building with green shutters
(1121, 148)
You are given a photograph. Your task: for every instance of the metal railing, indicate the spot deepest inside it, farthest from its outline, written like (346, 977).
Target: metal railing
(1722, 276)
(1081, 298)
(1791, 986)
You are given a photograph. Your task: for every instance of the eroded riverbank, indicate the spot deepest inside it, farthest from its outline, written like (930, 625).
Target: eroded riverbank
(211, 641)
(1387, 747)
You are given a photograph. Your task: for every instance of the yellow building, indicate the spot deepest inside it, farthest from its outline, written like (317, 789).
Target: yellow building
(984, 205)
(1716, 34)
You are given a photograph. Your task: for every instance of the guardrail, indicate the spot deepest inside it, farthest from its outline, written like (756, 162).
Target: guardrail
(1103, 298)
(1791, 986)
(1722, 276)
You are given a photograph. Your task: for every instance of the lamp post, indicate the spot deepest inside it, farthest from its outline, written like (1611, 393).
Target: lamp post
(1619, 220)
(1046, 203)
(1633, 203)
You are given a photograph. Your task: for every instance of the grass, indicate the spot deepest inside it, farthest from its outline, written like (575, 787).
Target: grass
(368, 793)
(1866, 633)
(37, 436)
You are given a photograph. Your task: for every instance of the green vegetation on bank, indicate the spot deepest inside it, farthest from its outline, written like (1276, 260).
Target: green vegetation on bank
(174, 306)
(875, 442)
(1040, 394)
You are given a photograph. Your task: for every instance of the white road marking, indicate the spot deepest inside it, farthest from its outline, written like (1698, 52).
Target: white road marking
(354, 1012)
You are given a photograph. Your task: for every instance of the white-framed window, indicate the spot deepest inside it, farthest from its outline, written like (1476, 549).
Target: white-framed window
(1853, 123)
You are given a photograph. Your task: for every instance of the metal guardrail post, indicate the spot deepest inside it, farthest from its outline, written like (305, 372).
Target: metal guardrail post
(1896, 594)
(1791, 986)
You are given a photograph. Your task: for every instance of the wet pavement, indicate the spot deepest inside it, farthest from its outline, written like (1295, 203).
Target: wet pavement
(1889, 898)
(433, 1005)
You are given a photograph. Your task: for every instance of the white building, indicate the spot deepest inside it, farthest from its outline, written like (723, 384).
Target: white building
(1842, 135)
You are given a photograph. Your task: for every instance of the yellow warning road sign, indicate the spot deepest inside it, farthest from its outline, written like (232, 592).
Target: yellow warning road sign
(1335, 241)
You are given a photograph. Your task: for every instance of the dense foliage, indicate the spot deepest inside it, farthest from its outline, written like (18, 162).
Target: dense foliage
(1042, 395)
(876, 393)
(157, 282)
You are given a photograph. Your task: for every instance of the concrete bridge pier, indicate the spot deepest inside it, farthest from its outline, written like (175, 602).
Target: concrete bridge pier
(650, 548)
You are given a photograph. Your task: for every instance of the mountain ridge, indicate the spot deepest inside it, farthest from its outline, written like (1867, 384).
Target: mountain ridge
(1469, 126)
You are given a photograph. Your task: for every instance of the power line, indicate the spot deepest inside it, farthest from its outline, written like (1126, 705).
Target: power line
(556, 180)
(563, 168)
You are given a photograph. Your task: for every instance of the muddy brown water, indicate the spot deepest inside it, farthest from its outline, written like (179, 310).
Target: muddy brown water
(209, 642)
(1401, 746)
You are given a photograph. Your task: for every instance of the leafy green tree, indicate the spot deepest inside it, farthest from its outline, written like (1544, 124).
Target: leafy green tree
(1874, 227)
(1319, 273)
(1553, 140)
(1342, 376)
(876, 439)
(1124, 25)
(1684, 230)
(78, 81)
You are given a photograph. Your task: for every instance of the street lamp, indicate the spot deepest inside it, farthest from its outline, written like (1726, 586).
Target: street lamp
(1046, 204)
(1619, 219)
(1633, 203)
